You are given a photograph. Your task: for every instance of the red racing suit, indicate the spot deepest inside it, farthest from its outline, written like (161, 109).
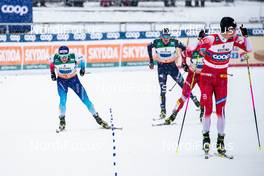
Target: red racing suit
(216, 51)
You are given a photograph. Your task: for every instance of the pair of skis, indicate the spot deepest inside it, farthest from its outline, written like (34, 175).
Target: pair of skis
(207, 155)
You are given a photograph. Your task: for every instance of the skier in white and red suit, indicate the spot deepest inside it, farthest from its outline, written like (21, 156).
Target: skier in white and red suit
(216, 49)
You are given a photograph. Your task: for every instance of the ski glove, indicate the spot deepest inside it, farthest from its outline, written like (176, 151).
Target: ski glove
(151, 65)
(243, 31)
(185, 67)
(53, 76)
(82, 72)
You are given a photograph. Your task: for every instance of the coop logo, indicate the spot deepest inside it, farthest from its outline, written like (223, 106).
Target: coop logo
(221, 57)
(30, 37)
(15, 38)
(19, 10)
(152, 34)
(79, 36)
(47, 37)
(132, 35)
(113, 35)
(3, 38)
(96, 36)
(258, 32)
(62, 37)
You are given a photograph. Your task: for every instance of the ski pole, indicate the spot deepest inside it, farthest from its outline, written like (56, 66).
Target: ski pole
(185, 112)
(175, 83)
(253, 101)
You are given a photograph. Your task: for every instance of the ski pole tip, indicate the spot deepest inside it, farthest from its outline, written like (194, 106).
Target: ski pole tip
(177, 151)
(260, 148)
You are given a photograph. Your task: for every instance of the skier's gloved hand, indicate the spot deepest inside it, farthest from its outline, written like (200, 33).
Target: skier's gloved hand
(201, 34)
(243, 31)
(185, 67)
(151, 65)
(82, 72)
(53, 76)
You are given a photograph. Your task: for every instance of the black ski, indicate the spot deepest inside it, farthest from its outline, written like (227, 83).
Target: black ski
(163, 124)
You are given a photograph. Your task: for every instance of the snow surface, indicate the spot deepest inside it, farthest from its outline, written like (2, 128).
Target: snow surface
(29, 145)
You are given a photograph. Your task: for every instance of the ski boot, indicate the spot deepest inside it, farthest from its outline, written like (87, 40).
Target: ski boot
(62, 124)
(201, 114)
(170, 119)
(196, 102)
(101, 122)
(220, 144)
(206, 142)
(162, 114)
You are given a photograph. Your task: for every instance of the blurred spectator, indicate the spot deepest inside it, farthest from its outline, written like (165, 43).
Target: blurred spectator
(197, 3)
(167, 4)
(74, 3)
(188, 3)
(39, 3)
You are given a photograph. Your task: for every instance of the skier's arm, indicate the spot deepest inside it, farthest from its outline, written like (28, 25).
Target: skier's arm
(243, 44)
(52, 69)
(80, 61)
(151, 62)
(150, 46)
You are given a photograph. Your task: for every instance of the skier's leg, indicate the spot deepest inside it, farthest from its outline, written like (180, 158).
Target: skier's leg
(220, 97)
(62, 87)
(206, 96)
(162, 77)
(78, 88)
(177, 76)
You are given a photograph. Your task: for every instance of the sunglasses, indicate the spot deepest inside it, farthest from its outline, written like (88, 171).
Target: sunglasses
(165, 36)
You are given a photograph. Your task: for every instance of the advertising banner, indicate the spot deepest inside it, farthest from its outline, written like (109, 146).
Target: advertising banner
(16, 11)
(36, 55)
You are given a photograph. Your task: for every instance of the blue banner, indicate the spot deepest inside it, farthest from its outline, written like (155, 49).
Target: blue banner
(16, 11)
(103, 36)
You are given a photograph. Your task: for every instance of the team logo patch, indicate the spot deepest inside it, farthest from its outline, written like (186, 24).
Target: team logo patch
(221, 57)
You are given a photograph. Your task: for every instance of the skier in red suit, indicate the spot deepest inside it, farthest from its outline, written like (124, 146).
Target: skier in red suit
(216, 50)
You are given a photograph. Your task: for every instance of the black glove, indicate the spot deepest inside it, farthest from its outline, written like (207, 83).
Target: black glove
(243, 31)
(185, 67)
(201, 34)
(151, 65)
(53, 76)
(82, 72)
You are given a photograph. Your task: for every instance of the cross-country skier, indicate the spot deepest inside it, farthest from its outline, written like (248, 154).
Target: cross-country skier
(216, 49)
(166, 50)
(66, 65)
(195, 64)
